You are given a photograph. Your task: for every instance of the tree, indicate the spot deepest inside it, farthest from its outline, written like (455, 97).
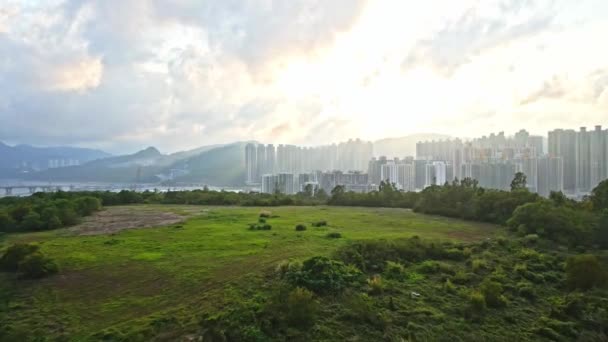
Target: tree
(602, 230)
(308, 190)
(14, 255)
(7, 224)
(599, 196)
(36, 266)
(85, 206)
(320, 193)
(337, 192)
(518, 182)
(584, 272)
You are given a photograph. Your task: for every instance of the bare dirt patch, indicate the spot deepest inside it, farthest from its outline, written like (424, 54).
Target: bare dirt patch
(116, 219)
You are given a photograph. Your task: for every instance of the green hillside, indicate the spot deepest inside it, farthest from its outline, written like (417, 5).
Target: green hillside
(166, 277)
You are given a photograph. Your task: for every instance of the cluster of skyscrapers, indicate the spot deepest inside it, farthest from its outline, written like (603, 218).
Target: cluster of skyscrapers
(263, 160)
(584, 156)
(574, 163)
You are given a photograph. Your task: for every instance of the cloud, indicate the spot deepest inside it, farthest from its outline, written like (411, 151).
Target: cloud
(477, 30)
(177, 74)
(552, 88)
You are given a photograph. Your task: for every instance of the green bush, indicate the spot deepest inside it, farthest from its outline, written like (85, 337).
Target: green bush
(461, 278)
(300, 227)
(265, 214)
(449, 287)
(87, 205)
(477, 303)
(372, 255)
(319, 224)
(526, 290)
(492, 292)
(455, 254)
(478, 265)
(394, 270)
(14, 255)
(36, 266)
(322, 275)
(376, 286)
(301, 308)
(7, 223)
(254, 226)
(334, 235)
(261, 220)
(584, 272)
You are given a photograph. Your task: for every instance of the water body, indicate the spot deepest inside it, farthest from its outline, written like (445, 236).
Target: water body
(25, 188)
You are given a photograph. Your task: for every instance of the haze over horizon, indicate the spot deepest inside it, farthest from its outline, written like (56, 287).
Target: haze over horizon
(120, 76)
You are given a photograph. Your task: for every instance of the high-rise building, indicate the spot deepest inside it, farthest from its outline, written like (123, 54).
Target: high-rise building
(583, 161)
(388, 172)
(406, 176)
(597, 153)
(562, 143)
(420, 173)
(550, 175)
(260, 162)
(251, 164)
(270, 159)
(435, 173)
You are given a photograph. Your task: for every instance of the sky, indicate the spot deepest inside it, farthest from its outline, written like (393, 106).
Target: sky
(121, 75)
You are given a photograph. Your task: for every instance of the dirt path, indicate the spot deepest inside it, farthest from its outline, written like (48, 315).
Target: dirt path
(115, 219)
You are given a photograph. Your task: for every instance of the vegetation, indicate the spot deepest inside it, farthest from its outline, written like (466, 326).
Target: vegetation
(534, 270)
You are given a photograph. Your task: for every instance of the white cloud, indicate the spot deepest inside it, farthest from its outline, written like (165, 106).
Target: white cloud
(178, 74)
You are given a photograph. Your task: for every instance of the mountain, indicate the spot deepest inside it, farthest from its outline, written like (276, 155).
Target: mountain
(403, 146)
(220, 165)
(15, 160)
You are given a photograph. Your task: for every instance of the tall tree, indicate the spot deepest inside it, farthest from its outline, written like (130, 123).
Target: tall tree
(519, 181)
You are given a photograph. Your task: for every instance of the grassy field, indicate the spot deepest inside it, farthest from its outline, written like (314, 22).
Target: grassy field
(139, 277)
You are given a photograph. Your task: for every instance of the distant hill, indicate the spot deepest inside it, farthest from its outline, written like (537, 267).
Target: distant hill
(18, 159)
(219, 165)
(403, 146)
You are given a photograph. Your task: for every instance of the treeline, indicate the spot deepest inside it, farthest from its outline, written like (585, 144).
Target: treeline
(557, 218)
(45, 211)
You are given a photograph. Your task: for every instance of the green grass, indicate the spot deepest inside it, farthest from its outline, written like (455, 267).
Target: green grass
(134, 277)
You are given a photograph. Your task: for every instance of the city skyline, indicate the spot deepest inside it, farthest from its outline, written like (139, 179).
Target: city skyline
(573, 162)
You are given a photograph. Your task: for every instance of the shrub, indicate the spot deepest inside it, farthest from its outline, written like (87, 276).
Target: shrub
(478, 265)
(492, 292)
(32, 222)
(254, 226)
(322, 275)
(477, 302)
(461, 278)
(319, 224)
(261, 220)
(373, 255)
(394, 270)
(428, 267)
(531, 239)
(334, 235)
(300, 227)
(584, 272)
(528, 254)
(87, 205)
(14, 255)
(301, 308)
(455, 254)
(526, 290)
(449, 287)
(7, 223)
(36, 266)
(376, 286)
(265, 214)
